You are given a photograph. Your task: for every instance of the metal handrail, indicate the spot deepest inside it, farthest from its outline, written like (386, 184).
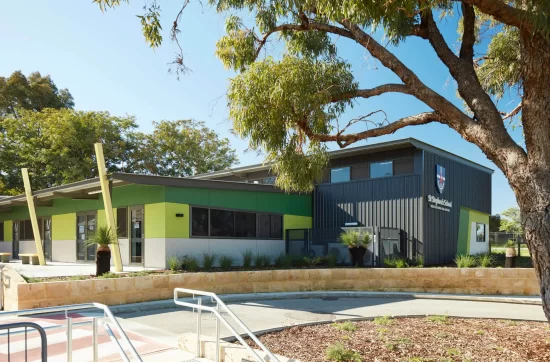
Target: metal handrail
(66, 308)
(219, 317)
(39, 329)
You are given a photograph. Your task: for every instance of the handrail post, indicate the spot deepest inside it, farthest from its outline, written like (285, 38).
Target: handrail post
(218, 333)
(69, 339)
(199, 325)
(94, 340)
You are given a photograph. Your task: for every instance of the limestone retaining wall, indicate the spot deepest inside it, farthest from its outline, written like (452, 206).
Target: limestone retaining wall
(140, 289)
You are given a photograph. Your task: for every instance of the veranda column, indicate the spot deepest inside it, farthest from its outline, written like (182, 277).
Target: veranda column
(32, 214)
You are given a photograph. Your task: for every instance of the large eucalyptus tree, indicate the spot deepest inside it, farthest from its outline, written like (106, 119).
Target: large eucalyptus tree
(290, 105)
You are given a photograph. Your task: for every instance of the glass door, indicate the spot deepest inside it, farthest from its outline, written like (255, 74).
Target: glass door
(136, 235)
(86, 227)
(47, 240)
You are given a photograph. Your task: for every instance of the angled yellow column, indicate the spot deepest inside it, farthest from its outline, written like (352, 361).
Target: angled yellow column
(32, 214)
(104, 181)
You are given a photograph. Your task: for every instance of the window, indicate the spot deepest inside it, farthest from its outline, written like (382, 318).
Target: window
(270, 226)
(269, 180)
(1, 231)
(341, 174)
(480, 233)
(122, 222)
(235, 224)
(381, 169)
(222, 223)
(199, 222)
(25, 230)
(245, 225)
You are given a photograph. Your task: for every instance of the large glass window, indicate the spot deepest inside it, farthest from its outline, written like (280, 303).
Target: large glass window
(245, 225)
(199, 222)
(341, 174)
(381, 169)
(270, 226)
(480, 232)
(25, 230)
(222, 223)
(1, 231)
(122, 222)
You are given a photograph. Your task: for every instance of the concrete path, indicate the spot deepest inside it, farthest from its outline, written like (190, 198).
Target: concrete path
(267, 315)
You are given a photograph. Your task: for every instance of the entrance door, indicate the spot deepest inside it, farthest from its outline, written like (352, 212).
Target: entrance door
(136, 235)
(86, 227)
(47, 240)
(15, 246)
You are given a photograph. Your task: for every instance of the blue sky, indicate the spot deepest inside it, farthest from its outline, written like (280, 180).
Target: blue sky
(105, 63)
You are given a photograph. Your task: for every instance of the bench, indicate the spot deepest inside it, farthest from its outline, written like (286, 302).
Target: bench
(25, 258)
(5, 257)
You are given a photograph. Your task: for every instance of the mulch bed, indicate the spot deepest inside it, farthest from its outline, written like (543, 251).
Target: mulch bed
(419, 340)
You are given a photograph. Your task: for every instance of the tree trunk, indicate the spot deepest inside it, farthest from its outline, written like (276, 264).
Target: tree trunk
(531, 182)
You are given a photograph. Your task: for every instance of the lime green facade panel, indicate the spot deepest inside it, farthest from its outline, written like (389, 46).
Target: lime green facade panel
(296, 222)
(64, 227)
(177, 227)
(155, 216)
(8, 230)
(467, 217)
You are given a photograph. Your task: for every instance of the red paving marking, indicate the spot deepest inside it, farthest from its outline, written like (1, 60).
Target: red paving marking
(58, 350)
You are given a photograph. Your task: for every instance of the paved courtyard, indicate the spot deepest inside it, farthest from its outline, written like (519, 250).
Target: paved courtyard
(58, 269)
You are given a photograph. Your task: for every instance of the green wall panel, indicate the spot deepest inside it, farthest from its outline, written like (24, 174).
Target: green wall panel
(8, 230)
(467, 217)
(296, 222)
(64, 227)
(155, 216)
(137, 195)
(177, 227)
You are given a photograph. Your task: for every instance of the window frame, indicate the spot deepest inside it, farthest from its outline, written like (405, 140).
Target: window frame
(484, 232)
(235, 211)
(126, 236)
(2, 226)
(380, 162)
(340, 168)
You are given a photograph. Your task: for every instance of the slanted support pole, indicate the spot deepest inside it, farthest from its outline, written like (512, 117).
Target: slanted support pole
(32, 214)
(104, 181)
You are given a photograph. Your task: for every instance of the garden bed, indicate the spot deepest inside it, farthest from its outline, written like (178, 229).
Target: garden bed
(434, 338)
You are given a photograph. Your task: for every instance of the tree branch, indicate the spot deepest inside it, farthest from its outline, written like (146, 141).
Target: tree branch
(513, 112)
(502, 12)
(468, 36)
(376, 91)
(345, 140)
(305, 26)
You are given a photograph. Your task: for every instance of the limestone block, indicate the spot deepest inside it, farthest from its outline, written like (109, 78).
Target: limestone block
(104, 286)
(57, 290)
(81, 288)
(161, 281)
(124, 285)
(144, 283)
(30, 291)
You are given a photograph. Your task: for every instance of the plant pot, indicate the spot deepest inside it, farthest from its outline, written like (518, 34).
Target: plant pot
(357, 255)
(510, 261)
(103, 260)
(511, 252)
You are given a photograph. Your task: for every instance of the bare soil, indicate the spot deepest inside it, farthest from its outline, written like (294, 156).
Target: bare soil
(419, 340)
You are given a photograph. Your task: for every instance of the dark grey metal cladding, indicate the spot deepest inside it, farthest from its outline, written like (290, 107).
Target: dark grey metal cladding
(465, 186)
(387, 202)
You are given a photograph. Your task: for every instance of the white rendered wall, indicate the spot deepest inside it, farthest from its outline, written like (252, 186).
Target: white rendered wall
(154, 253)
(6, 246)
(124, 246)
(477, 247)
(63, 250)
(27, 247)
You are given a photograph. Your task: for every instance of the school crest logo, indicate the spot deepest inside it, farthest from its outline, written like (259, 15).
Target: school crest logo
(440, 178)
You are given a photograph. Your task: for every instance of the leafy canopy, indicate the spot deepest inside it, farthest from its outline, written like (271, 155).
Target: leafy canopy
(511, 221)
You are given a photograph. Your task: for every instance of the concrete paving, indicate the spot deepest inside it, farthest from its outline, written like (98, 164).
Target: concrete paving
(265, 315)
(58, 269)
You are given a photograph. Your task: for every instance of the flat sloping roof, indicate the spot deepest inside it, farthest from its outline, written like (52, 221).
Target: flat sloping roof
(376, 147)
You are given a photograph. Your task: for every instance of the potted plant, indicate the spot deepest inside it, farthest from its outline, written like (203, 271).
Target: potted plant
(103, 237)
(357, 243)
(511, 253)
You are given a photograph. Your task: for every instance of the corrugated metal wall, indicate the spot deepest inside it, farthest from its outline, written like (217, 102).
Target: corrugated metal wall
(464, 186)
(394, 202)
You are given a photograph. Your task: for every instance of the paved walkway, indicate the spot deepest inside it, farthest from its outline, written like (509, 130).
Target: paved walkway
(266, 315)
(58, 269)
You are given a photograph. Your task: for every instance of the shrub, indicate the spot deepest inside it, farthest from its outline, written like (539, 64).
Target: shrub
(174, 263)
(419, 261)
(465, 261)
(208, 260)
(247, 259)
(332, 260)
(339, 353)
(311, 262)
(283, 261)
(485, 260)
(383, 321)
(510, 243)
(395, 262)
(261, 261)
(110, 275)
(191, 263)
(226, 262)
(442, 319)
(345, 326)
(297, 261)
(355, 239)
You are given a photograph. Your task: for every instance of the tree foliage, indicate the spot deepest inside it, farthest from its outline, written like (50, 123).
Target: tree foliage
(35, 92)
(57, 146)
(511, 222)
(494, 223)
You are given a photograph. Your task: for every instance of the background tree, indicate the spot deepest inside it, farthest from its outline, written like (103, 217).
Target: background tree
(35, 93)
(181, 148)
(511, 222)
(290, 106)
(494, 223)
